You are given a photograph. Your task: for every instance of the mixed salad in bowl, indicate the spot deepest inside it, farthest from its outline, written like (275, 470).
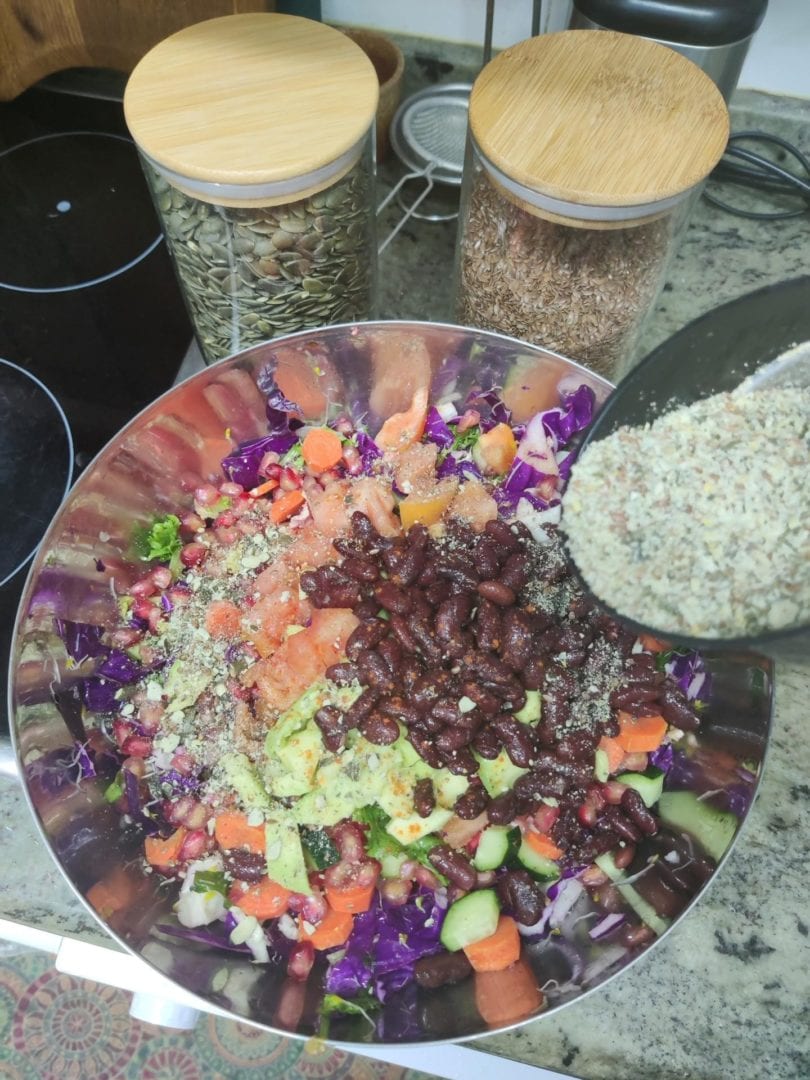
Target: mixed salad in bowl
(372, 729)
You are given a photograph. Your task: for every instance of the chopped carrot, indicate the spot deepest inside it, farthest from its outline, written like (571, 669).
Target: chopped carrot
(615, 753)
(333, 929)
(427, 509)
(222, 619)
(231, 830)
(640, 733)
(498, 951)
(263, 489)
(113, 893)
(495, 450)
(652, 644)
(264, 900)
(322, 449)
(542, 844)
(508, 995)
(161, 852)
(286, 506)
(351, 898)
(404, 428)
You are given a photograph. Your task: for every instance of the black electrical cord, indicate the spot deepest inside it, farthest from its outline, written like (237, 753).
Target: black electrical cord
(752, 170)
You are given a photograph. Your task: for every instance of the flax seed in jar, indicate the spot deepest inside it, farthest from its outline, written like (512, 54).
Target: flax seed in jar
(255, 133)
(584, 149)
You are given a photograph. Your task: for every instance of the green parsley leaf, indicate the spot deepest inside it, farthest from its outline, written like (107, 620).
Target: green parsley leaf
(161, 541)
(294, 458)
(467, 439)
(210, 881)
(362, 1005)
(114, 792)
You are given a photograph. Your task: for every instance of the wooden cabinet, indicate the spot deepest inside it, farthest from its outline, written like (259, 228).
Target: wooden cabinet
(39, 37)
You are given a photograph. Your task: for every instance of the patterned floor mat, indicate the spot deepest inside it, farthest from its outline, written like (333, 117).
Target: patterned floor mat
(56, 1027)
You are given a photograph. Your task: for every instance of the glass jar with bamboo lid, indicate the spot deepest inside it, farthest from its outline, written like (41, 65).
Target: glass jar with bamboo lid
(584, 149)
(256, 136)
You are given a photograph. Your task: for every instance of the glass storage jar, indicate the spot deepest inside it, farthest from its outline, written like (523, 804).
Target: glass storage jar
(256, 136)
(584, 148)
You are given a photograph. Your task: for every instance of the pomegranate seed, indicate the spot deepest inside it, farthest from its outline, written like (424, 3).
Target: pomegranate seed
(183, 762)
(179, 597)
(206, 495)
(137, 746)
(247, 528)
(140, 590)
(595, 795)
(314, 908)
(150, 713)
(225, 519)
(544, 817)
(192, 523)
(125, 638)
(230, 489)
(623, 856)
(344, 426)
(227, 535)
(396, 893)
(142, 609)
(135, 765)
(593, 877)
(270, 467)
(193, 845)
(193, 555)
(162, 577)
(154, 618)
(175, 812)
(302, 957)
(121, 731)
(468, 419)
(613, 792)
(148, 655)
(635, 762)
(196, 817)
(289, 480)
(328, 478)
(350, 841)
(587, 814)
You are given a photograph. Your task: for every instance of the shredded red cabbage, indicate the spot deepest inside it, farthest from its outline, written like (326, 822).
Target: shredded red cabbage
(460, 464)
(437, 430)
(369, 451)
(115, 669)
(491, 407)
(242, 466)
(216, 936)
(691, 675)
(662, 757)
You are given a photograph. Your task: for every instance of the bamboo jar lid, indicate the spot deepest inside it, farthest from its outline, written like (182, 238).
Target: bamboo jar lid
(596, 124)
(249, 105)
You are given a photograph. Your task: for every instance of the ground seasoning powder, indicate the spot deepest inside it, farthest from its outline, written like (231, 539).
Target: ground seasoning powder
(698, 523)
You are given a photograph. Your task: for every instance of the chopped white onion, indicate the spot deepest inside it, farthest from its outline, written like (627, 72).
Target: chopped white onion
(286, 926)
(447, 411)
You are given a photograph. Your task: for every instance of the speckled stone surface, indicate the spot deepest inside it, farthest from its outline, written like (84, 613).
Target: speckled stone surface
(727, 994)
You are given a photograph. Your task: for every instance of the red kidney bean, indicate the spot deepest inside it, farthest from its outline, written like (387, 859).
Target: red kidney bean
(393, 554)
(516, 639)
(363, 530)
(675, 709)
(336, 596)
(358, 569)
(436, 592)
(452, 615)
(460, 762)
(446, 710)
(556, 710)
(515, 573)
(633, 805)
(487, 743)
(485, 559)
(245, 865)
(452, 739)
(502, 809)
(502, 534)
(379, 729)
(614, 821)
(455, 866)
(517, 740)
(631, 698)
(490, 669)
(514, 696)
(425, 749)
(367, 609)
(400, 628)
(486, 701)
(674, 876)
(428, 724)
(332, 726)
(394, 599)
(366, 636)
(534, 786)
(430, 576)
(497, 592)
(391, 652)
(460, 573)
(578, 746)
(362, 706)
(640, 668)
(487, 627)
(344, 673)
(634, 936)
(473, 802)
(424, 797)
(429, 688)
(533, 673)
(410, 566)
(399, 709)
(301, 960)
(623, 856)
(373, 671)
(523, 895)
(445, 969)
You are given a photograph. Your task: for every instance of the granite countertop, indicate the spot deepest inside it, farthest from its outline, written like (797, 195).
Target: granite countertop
(728, 992)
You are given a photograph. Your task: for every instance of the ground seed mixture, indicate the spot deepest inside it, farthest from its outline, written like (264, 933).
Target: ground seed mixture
(699, 523)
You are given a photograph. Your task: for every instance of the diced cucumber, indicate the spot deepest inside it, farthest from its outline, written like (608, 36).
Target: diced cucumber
(494, 847)
(499, 774)
(391, 863)
(472, 918)
(712, 828)
(285, 855)
(541, 868)
(530, 713)
(240, 774)
(601, 766)
(412, 828)
(648, 784)
(645, 911)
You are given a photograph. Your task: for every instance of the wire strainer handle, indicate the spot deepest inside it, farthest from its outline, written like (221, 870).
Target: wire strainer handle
(425, 174)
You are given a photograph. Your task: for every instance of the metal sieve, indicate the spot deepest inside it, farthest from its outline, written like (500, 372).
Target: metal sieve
(429, 136)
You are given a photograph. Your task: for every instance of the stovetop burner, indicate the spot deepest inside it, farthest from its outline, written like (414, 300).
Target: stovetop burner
(92, 321)
(36, 464)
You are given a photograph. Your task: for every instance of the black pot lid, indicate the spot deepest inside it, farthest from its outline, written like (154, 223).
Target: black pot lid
(36, 464)
(66, 212)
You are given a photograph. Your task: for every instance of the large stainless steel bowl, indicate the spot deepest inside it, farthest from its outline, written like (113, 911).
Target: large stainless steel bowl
(154, 464)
